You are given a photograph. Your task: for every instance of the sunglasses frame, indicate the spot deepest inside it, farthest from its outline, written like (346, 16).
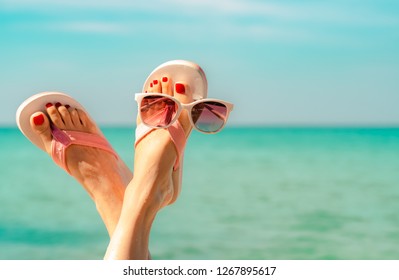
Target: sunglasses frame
(181, 106)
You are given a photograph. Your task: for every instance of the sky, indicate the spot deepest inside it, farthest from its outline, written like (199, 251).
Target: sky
(280, 62)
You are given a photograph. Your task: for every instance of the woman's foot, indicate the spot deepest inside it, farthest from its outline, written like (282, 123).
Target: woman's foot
(103, 175)
(155, 183)
(161, 139)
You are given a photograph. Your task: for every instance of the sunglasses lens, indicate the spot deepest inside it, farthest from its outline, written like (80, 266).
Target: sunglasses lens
(157, 111)
(209, 116)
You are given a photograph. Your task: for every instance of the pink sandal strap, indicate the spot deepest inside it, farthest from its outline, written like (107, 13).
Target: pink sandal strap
(177, 135)
(62, 139)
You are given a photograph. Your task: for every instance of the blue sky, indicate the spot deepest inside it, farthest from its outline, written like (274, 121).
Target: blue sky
(280, 62)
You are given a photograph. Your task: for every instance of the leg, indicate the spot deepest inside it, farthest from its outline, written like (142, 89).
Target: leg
(154, 185)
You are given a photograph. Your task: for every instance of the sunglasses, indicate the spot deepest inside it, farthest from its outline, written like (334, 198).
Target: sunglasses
(161, 111)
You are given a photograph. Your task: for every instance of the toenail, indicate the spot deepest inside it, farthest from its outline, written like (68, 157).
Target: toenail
(58, 104)
(67, 106)
(48, 105)
(38, 120)
(150, 84)
(164, 79)
(155, 82)
(180, 88)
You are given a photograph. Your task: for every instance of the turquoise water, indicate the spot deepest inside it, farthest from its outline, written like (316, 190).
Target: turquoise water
(248, 193)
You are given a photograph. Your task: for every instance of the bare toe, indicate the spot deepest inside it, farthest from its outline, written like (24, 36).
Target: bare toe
(86, 122)
(75, 118)
(55, 117)
(166, 86)
(151, 88)
(66, 117)
(41, 125)
(156, 86)
(183, 94)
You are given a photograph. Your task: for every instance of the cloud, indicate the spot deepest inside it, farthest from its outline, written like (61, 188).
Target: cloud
(305, 22)
(65, 4)
(233, 7)
(93, 27)
(303, 12)
(339, 12)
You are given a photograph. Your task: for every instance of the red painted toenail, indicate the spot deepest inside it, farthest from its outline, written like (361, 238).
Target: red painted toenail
(38, 120)
(48, 105)
(67, 106)
(155, 82)
(164, 79)
(58, 104)
(150, 84)
(180, 88)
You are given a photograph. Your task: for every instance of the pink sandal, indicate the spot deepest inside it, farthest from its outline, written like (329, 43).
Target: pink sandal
(177, 70)
(62, 139)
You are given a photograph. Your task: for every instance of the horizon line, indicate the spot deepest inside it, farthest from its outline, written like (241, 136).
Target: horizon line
(257, 125)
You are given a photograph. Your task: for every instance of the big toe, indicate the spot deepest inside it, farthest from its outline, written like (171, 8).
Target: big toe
(41, 125)
(183, 93)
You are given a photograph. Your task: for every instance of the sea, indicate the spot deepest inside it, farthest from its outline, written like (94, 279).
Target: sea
(249, 193)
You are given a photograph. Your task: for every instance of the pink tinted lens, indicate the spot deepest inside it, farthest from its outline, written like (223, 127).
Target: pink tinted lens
(157, 111)
(209, 116)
